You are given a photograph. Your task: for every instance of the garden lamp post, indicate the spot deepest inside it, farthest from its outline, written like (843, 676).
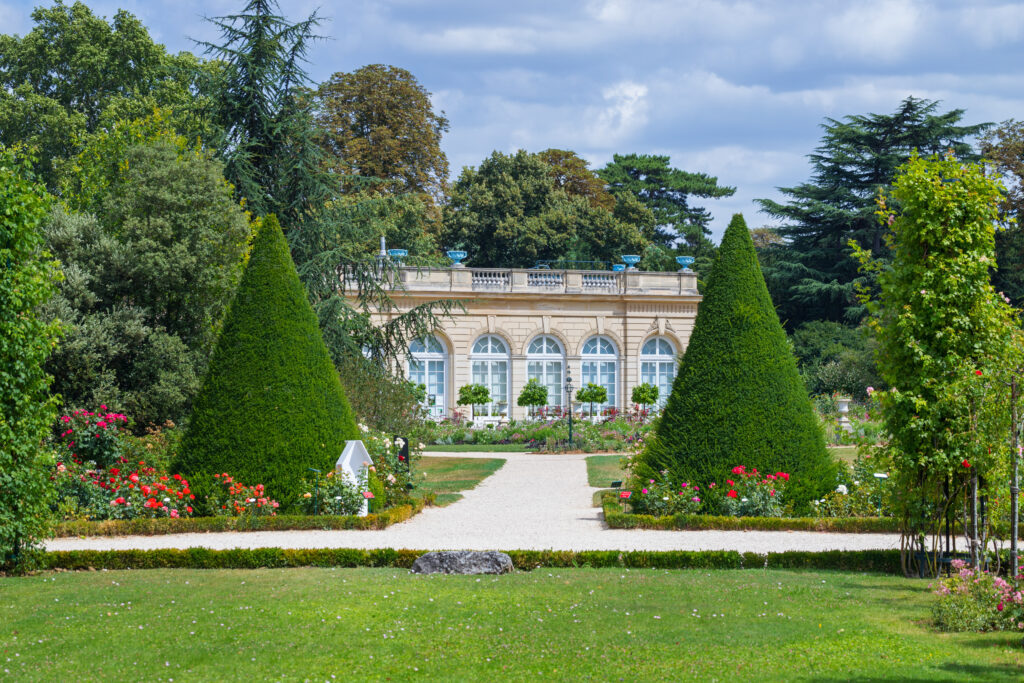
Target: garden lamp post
(568, 392)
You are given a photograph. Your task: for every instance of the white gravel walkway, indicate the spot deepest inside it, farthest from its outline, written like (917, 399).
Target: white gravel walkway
(534, 502)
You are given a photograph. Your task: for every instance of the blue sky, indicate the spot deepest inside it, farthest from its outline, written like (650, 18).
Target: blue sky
(734, 89)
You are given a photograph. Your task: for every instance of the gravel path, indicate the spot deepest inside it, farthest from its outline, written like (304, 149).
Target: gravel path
(534, 502)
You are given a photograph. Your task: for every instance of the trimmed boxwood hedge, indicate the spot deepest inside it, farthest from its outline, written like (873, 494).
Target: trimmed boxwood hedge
(616, 519)
(738, 398)
(885, 561)
(154, 527)
(271, 405)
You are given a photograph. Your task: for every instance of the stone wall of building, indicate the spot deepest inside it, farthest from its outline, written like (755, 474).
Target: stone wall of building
(627, 308)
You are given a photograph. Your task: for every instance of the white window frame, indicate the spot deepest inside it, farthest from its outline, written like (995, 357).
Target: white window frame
(491, 361)
(428, 353)
(546, 360)
(659, 366)
(593, 368)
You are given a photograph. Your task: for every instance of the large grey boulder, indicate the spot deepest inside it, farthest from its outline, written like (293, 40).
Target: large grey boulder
(462, 562)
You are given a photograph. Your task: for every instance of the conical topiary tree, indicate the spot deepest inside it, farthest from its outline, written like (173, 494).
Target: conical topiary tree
(737, 398)
(271, 405)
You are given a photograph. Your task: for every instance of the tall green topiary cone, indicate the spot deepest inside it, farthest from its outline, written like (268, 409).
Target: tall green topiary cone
(271, 405)
(738, 398)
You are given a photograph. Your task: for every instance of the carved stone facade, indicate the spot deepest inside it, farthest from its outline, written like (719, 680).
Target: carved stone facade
(616, 329)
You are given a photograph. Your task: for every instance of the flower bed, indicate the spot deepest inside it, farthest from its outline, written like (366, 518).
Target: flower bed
(617, 433)
(154, 527)
(616, 519)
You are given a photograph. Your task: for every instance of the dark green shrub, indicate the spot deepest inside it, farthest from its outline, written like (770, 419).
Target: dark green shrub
(887, 561)
(738, 398)
(271, 405)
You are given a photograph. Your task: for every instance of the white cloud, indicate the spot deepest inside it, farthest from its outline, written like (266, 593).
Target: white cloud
(882, 30)
(623, 115)
(992, 26)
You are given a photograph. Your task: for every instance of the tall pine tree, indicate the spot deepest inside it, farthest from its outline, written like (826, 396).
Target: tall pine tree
(666, 191)
(272, 158)
(857, 158)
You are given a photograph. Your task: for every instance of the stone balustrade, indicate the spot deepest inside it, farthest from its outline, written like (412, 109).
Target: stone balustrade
(541, 281)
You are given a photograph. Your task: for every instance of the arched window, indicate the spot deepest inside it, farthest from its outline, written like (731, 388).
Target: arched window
(600, 366)
(658, 366)
(545, 361)
(428, 365)
(489, 360)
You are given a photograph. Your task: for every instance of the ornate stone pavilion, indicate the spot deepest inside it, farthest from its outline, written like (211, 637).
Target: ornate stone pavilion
(616, 329)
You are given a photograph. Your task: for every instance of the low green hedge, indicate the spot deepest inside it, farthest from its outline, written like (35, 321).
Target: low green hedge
(191, 525)
(616, 519)
(885, 561)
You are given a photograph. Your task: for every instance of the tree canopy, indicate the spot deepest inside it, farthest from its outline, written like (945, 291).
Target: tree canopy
(74, 73)
(148, 276)
(855, 160)
(666, 191)
(378, 122)
(508, 212)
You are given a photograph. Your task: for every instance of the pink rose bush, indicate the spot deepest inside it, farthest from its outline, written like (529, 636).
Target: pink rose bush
(975, 600)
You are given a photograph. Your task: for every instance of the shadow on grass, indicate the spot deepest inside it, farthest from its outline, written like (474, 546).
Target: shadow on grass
(950, 671)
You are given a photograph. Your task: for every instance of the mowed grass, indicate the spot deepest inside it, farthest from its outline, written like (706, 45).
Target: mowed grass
(558, 624)
(445, 477)
(847, 454)
(476, 448)
(602, 470)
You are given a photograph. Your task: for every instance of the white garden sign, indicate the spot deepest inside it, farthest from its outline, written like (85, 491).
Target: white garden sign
(353, 462)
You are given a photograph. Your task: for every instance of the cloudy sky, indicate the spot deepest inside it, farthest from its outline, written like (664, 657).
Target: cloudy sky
(734, 89)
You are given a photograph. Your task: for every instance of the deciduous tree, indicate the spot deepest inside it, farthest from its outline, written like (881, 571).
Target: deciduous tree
(378, 122)
(27, 410)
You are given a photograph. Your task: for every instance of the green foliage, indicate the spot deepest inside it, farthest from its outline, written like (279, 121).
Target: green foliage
(572, 174)
(1004, 147)
(592, 393)
(474, 395)
(271, 154)
(524, 560)
(944, 335)
(375, 486)
(146, 284)
(508, 212)
(834, 357)
(378, 122)
(27, 279)
(533, 394)
(666, 192)
(645, 394)
(737, 397)
(196, 525)
(74, 74)
(378, 399)
(615, 518)
(813, 275)
(271, 405)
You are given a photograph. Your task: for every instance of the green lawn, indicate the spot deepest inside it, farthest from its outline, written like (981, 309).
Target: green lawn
(845, 453)
(576, 624)
(476, 448)
(445, 477)
(602, 470)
